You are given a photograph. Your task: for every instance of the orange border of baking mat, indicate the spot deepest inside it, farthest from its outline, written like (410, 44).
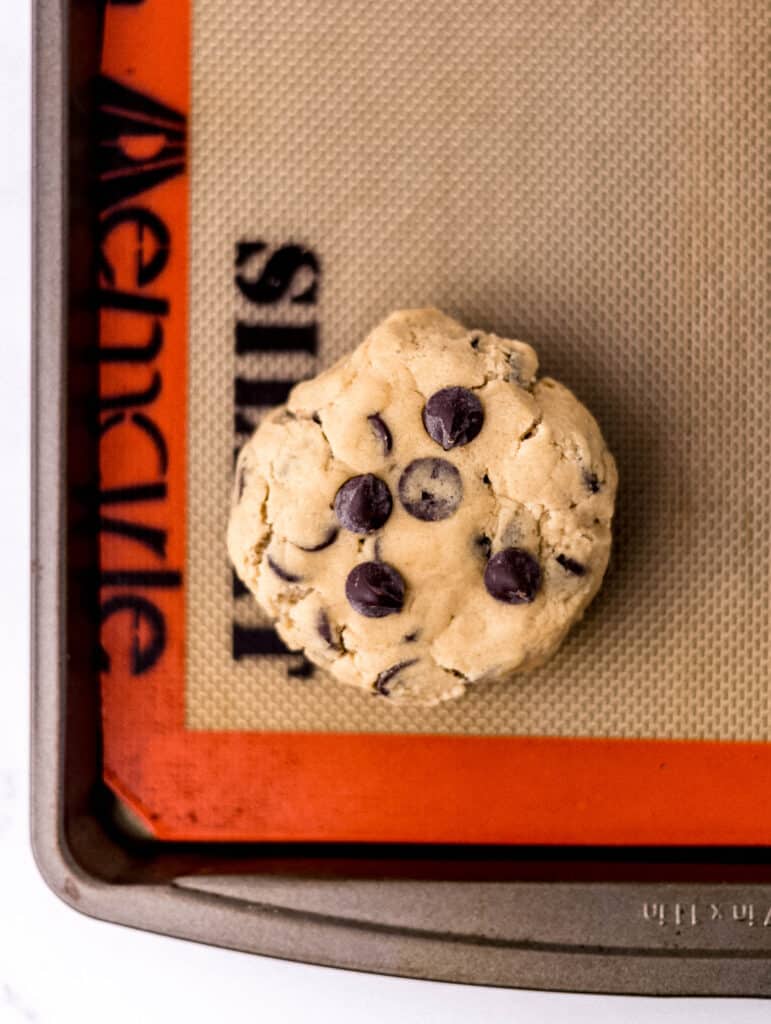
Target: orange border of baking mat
(273, 786)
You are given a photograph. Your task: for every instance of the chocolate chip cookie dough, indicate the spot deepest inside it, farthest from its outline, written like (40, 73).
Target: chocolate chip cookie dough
(425, 514)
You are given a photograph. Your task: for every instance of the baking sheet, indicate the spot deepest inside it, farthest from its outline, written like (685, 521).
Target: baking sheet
(591, 935)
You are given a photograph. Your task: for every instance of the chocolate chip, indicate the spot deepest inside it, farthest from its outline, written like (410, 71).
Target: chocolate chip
(571, 565)
(375, 589)
(381, 432)
(363, 504)
(385, 677)
(430, 489)
(513, 576)
(290, 577)
(591, 481)
(453, 417)
(484, 544)
(324, 629)
(330, 538)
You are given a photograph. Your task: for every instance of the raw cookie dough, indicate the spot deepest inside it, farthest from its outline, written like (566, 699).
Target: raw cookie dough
(425, 514)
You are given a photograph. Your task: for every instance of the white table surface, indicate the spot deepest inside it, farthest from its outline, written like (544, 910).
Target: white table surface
(58, 966)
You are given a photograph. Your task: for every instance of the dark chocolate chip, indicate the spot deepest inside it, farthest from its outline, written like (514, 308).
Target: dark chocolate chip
(375, 589)
(410, 638)
(484, 544)
(453, 417)
(330, 538)
(290, 577)
(381, 432)
(385, 677)
(324, 628)
(571, 565)
(591, 481)
(513, 576)
(304, 669)
(363, 504)
(430, 489)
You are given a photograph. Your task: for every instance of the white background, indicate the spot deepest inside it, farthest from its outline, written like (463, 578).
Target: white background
(57, 966)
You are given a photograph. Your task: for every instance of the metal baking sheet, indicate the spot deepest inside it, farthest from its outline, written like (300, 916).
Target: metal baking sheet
(594, 919)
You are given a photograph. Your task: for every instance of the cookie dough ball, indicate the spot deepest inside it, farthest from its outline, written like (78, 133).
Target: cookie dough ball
(425, 514)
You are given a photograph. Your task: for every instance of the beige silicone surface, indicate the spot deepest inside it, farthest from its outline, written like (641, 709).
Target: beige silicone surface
(591, 177)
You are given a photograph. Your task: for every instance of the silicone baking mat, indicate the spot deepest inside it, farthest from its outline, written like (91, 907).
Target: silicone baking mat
(588, 177)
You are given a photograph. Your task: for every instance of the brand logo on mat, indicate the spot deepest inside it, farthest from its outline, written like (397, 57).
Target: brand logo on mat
(141, 142)
(140, 145)
(276, 312)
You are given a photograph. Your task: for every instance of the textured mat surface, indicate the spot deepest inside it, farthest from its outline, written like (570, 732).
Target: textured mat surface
(589, 177)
